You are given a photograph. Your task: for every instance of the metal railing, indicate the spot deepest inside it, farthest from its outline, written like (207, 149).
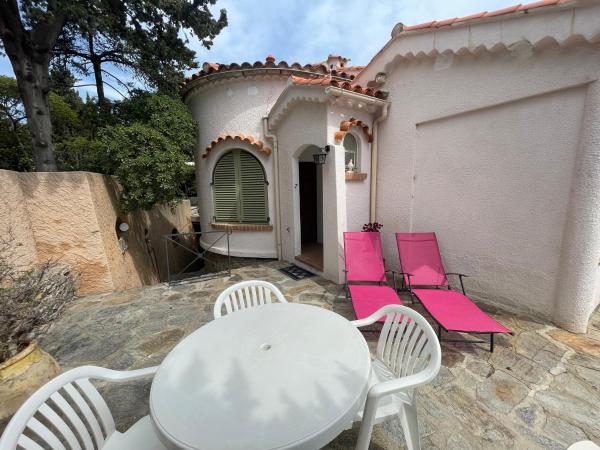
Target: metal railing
(199, 255)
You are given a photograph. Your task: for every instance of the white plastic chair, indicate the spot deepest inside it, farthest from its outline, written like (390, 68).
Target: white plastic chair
(68, 412)
(584, 445)
(247, 294)
(408, 355)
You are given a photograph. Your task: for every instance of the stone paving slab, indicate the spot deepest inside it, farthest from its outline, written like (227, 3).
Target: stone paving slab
(539, 389)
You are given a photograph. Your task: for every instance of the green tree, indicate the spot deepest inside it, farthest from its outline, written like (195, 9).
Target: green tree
(145, 37)
(29, 30)
(148, 150)
(65, 119)
(11, 106)
(81, 153)
(142, 35)
(62, 82)
(15, 142)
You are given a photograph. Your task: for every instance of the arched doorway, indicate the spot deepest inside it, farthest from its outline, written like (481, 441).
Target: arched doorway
(310, 187)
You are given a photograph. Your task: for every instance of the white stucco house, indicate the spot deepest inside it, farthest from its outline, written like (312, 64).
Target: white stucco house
(484, 129)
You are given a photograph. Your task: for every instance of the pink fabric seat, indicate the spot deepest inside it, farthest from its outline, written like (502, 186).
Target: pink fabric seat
(455, 312)
(420, 257)
(366, 299)
(421, 264)
(364, 263)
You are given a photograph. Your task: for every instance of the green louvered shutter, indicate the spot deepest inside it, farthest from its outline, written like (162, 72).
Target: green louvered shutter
(225, 190)
(253, 189)
(240, 189)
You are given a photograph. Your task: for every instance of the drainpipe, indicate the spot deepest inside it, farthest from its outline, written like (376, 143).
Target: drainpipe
(374, 145)
(273, 138)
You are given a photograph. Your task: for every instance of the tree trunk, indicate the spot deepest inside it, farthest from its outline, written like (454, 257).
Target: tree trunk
(32, 79)
(34, 92)
(97, 66)
(29, 52)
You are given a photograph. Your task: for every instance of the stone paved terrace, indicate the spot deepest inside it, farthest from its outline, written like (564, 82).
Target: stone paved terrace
(539, 389)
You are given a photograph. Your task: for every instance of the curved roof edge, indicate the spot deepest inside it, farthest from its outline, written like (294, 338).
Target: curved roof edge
(213, 71)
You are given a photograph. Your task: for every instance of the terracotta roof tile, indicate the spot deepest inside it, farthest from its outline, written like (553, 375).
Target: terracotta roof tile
(498, 12)
(209, 68)
(260, 146)
(420, 26)
(470, 17)
(538, 4)
(345, 126)
(328, 81)
(441, 23)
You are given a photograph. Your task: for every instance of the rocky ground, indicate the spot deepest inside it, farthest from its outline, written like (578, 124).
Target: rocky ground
(539, 389)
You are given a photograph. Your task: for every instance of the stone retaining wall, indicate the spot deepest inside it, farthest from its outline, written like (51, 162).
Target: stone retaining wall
(74, 217)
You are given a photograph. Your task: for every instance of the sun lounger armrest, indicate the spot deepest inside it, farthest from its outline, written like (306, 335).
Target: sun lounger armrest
(393, 276)
(460, 277)
(408, 275)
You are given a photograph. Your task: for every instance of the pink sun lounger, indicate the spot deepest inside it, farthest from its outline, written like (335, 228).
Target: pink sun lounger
(364, 263)
(421, 264)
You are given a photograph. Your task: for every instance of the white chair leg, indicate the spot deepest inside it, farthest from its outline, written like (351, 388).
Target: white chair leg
(410, 425)
(366, 427)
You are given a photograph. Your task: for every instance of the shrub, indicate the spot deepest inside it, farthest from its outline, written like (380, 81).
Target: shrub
(148, 150)
(30, 300)
(149, 166)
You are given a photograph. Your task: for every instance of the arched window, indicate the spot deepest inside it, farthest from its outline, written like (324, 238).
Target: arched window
(239, 187)
(351, 151)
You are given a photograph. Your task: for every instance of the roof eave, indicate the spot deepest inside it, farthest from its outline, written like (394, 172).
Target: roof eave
(523, 11)
(319, 94)
(247, 72)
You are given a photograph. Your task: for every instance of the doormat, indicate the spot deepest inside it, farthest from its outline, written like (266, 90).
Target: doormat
(296, 273)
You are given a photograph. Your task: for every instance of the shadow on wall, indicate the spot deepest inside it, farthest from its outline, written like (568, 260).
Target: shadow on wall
(74, 217)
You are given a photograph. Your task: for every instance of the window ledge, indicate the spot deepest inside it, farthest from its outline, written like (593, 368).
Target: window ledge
(242, 226)
(356, 176)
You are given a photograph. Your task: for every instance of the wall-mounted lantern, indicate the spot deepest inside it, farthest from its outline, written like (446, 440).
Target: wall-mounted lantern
(121, 228)
(321, 155)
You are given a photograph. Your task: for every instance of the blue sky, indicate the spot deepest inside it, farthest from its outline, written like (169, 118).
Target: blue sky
(308, 30)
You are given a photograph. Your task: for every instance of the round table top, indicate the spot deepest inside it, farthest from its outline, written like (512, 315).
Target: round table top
(277, 376)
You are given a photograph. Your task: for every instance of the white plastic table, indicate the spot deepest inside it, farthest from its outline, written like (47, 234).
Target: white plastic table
(278, 376)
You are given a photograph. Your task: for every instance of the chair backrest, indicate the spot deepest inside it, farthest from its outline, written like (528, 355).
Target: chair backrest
(420, 256)
(362, 255)
(68, 409)
(247, 294)
(408, 345)
(88, 425)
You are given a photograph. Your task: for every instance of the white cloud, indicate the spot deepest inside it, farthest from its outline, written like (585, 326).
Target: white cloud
(305, 31)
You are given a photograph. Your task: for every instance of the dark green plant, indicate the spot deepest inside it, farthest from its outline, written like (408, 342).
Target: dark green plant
(146, 37)
(15, 140)
(149, 150)
(65, 120)
(81, 153)
(149, 166)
